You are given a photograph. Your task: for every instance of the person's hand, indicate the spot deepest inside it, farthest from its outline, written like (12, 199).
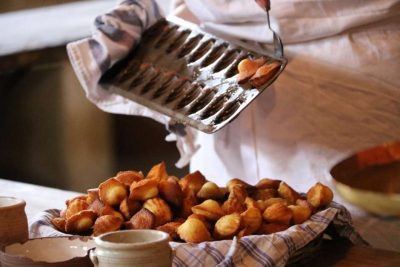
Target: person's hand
(264, 4)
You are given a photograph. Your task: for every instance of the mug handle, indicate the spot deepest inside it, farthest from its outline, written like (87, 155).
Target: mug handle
(93, 257)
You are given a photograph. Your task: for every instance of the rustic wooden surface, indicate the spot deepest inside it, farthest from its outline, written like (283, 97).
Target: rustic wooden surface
(341, 253)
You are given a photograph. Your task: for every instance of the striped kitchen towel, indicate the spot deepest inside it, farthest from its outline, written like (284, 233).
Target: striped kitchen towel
(257, 250)
(114, 35)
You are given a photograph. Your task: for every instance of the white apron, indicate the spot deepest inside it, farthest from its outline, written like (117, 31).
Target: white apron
(339, 93)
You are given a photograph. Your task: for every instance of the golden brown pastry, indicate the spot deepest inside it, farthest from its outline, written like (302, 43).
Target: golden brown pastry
(143, 219)
(250, 220)
(80, 222)
(268, 183)
(210, 190)
(171, 191)
(74, 206)
(189, 200)
(193, 231)
(247, 68)
(59, 223)
(319, 195)
(106, 223)
(144, 189)
(278, 213)
(128, 207)
(288, 193)
(128, 177)
(236, 200)
(264, 74)
(263, 194)
(227, 226)
(193, 181)
(112, 192)
(162, 212)
(300, 213)
(92, 195)
(210, 209)
(158, 172)
(171, 228)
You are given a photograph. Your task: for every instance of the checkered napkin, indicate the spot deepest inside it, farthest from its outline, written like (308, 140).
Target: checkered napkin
(257, 250)
(114, 35)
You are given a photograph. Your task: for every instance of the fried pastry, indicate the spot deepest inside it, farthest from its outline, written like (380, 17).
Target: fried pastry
(268, 183)
(250, 220)
(319, 195)
(158, 172)
(300, 213)
(210, 209)
(263, 194)
(108, 210)
(210, 190)
(193, 181)
(236, 200)
(170, 228)
(80, 222)
(278, 213)
(193, 231)
(264, 73)
(128, 177)
(143, 219)
(227, 226)
(106, 223)
(144, 189)
(59, 223)
(128, 207)
(247, 68)
(189, 200)
(162, 212)
(288, 193)
(236, 181)
(112, 192)
(74, 206)
(171, 191)
(92, 195)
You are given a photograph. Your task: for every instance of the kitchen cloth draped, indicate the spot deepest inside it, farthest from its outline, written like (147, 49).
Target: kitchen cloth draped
(257, 250)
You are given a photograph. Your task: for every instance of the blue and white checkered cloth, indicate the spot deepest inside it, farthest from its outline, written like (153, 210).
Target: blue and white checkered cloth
(256, 250)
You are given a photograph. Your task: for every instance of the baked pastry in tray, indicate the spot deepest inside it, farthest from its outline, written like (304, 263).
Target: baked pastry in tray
(194, 77)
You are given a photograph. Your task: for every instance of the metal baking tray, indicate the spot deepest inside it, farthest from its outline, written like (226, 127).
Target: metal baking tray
(187, 74)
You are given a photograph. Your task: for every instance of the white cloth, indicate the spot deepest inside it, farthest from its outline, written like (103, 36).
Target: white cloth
(339, 93)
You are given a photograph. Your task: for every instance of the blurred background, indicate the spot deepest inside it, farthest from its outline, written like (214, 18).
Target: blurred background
(50, 133)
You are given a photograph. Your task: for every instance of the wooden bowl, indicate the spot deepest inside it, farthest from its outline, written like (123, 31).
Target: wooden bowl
(370, 179)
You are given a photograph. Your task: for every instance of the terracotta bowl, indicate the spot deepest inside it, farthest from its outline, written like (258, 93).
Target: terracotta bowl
(49, 251)
(370, 179)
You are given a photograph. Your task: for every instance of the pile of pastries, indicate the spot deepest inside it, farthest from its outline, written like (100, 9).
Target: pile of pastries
(191, 209)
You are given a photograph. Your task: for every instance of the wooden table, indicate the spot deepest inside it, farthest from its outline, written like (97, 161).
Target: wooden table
(339, 253)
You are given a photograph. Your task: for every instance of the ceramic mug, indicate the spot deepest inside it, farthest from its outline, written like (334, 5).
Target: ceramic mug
(13, 221)
(144, 248)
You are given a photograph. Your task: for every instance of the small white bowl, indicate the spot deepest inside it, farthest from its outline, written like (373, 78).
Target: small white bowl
(49, 251)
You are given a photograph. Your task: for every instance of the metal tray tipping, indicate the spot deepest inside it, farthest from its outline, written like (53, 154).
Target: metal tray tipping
(187, 74)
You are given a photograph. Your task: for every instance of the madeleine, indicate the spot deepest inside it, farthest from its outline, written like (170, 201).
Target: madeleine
(112, 192)
(210, 209)
(80, 222)
(106, 223)
(227, 226)
(160, 209)
(319, 195)
(210, 190)
(193, 231)
(278, 213)
(144, 189)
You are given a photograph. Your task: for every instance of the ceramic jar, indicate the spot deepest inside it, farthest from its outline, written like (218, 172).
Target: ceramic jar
(13, 221)
(144, 248)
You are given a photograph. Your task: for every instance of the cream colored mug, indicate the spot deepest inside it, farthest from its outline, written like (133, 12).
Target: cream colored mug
(13, 221)
(143, 248)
